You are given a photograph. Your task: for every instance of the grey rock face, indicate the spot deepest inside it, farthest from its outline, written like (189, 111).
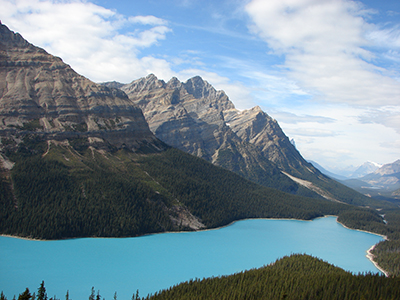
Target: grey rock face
(202, 121)
(38, 87)
(184, 115)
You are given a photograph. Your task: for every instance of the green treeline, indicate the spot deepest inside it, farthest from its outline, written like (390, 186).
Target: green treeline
(42, 295)
(294, 277)
(219, 197)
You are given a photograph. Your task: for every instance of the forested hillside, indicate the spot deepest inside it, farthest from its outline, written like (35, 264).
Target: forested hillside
(56, 190)
(294, 277)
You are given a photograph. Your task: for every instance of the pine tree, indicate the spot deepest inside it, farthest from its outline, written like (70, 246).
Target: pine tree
(25, 295)
(2, 297)
(92, 294)
(42, 295)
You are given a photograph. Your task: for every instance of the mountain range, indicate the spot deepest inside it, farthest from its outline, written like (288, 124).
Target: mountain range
(350, 172)
(82, 159)
(371, 179)
(196, 118)
(383, 183)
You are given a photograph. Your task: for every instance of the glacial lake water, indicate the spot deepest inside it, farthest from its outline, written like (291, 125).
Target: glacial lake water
(154, 262)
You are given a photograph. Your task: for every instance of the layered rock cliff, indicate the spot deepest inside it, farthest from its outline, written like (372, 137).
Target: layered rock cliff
(202, 121)
(40, 93)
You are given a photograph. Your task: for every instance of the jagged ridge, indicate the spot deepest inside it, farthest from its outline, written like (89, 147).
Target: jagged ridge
(194, 117)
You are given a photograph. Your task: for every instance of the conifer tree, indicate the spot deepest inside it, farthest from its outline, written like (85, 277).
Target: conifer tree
(92, 294)
(42, 295)
(25, 295)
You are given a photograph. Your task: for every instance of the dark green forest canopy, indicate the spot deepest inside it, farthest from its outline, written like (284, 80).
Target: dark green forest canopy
(294, 277)
(68, 193)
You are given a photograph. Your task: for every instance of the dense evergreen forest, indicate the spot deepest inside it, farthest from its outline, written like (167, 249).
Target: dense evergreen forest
(65, 190)
(292, 277)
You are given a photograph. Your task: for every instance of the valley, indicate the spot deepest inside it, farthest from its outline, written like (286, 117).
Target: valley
(81, 159)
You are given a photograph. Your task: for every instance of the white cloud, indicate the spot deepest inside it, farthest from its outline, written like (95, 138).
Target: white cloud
(388, 37)
(324, 44)
(88, 37)
(292, 118)
(147, 20)
(387, 116)
(337, 135)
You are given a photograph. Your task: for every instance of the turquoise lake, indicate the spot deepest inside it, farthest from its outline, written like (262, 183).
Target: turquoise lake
(155, 262)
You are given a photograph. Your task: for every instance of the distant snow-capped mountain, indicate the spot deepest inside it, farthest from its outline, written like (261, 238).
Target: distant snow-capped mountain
(365, 169)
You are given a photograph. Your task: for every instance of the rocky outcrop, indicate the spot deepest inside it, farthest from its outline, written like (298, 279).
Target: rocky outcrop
(40, 93)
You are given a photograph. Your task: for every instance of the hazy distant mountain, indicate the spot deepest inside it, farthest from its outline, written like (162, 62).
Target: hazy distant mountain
(386, 177)
(366, 168)
(383, 183)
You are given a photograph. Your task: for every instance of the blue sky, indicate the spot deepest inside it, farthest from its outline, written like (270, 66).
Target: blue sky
(327, 70)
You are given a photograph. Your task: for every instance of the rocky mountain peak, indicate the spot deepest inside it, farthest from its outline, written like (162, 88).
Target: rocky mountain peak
(144, 84)
(12, 39)
(389, 169)
(195, 117)
(201, 89)
(41, 94)
(174, 83)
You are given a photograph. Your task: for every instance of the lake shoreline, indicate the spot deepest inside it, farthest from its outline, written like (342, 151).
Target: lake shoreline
(171, 259)
(369, 254)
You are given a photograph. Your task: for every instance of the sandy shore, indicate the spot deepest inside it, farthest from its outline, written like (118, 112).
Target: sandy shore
(370, 256)
(22, 237)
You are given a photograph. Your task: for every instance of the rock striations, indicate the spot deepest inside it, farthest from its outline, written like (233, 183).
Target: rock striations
(40, 93)
(202, 121)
